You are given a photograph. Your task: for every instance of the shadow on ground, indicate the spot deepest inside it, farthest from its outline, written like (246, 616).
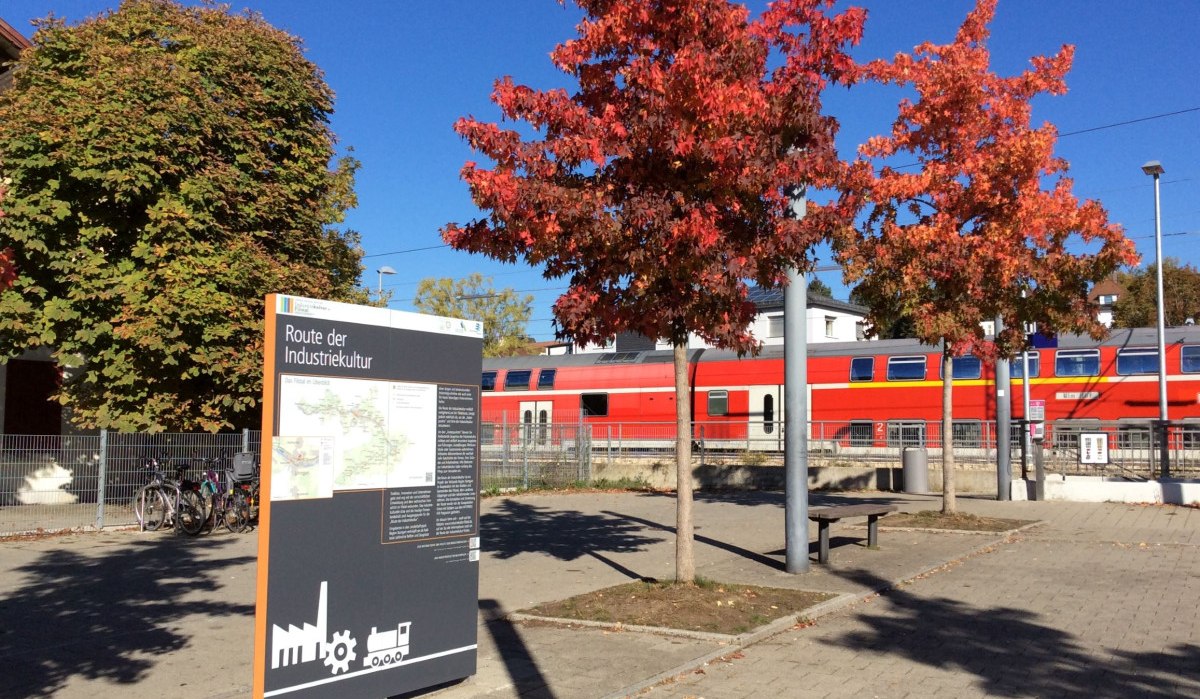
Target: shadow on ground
(1012, 654)
(518, 527)
(100, 617)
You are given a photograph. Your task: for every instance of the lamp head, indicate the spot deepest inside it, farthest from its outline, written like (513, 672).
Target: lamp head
(1153, 168)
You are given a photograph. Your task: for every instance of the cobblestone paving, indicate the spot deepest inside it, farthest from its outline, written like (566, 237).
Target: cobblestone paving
(1102, 605)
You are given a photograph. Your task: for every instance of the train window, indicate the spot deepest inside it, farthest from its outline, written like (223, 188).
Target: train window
(1065, 433)
(488, 383)
(1191, 433)
(546, 379)
(1137, 360)
(906, 434)
(906, 368)
(1077, 363)
(968, 434)
(718, 403)
(860, 433)
(594, 404)
(862, 369)
(965, 367)
(517, 380)
(1016, 368)
(1189, 359)
(1135, 434)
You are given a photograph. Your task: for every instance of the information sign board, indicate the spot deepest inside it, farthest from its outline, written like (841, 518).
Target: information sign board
(1093, 448)
(368, 579)
(1037, 411)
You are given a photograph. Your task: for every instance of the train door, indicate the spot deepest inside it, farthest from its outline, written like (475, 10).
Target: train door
(765, 431)
(535, 421)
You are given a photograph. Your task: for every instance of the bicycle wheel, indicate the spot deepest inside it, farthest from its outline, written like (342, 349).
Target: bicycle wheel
(191, 516)
(236, 512)
(150, 506)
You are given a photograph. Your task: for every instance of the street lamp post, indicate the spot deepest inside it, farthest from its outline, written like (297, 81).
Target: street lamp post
(1154, 169)
(382, 271)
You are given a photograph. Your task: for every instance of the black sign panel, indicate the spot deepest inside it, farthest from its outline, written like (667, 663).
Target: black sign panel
(368, 553)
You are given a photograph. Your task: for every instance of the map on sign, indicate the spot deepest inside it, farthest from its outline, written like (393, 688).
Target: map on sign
(352, 434)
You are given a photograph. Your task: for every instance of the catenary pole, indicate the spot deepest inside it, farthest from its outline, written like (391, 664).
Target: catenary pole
(795, 407)
(1003, 424)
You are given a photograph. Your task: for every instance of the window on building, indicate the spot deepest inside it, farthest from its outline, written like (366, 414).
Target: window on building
(830, 326)
(488, 383)
(517, 380)
(546, 379)
(594, 404)
(775, 326)
(860, 433)
(1189, 359)
(966, 367)
(1077, 362)
(1137, 360)
(906, 368)
(1016, 368)
(718, 403)
(862, 369)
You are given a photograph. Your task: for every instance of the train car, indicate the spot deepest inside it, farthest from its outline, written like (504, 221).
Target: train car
(860, 394)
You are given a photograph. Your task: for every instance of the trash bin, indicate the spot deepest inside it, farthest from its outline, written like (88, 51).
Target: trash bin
(915, 461)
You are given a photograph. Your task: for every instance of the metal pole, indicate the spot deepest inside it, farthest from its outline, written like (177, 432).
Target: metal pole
(795, 407)
(1003, 425)
(102, 480)
(1164, 458)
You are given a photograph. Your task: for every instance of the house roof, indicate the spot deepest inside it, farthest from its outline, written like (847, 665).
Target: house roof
(772, 300)
(1105, 287)
(11, 45)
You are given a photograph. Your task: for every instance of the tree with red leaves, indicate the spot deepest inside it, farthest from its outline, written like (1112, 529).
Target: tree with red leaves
(658, 188)
(957, 241)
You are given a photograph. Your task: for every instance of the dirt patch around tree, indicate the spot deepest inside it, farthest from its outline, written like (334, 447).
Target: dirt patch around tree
(704, 606)
(956, 521)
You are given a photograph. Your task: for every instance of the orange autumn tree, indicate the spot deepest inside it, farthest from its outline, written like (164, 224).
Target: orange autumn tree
(958, 240)
(657, 189)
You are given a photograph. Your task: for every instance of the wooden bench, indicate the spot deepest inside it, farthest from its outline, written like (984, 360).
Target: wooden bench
(823, 516)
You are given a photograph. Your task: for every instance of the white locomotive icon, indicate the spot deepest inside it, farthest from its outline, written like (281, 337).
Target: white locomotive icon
(295, 645)
(387, 647)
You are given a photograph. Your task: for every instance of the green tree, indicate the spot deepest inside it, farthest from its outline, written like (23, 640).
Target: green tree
(816, 287)
(504, 313)
(660, 186)
(1138, 306)
(887, 319)
(168, 168)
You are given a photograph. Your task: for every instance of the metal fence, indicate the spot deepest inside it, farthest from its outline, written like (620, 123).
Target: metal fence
(52, 482)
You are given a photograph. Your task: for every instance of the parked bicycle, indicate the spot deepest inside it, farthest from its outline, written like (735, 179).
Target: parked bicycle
(166, 501)
(228, 505)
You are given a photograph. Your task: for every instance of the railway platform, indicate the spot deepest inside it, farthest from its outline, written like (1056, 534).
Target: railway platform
(1097, 600)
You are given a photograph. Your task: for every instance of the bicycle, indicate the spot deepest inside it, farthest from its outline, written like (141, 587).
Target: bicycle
(228, 504)
(163, 500)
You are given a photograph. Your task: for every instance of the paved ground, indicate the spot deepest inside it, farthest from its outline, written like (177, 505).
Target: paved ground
(1100, 600)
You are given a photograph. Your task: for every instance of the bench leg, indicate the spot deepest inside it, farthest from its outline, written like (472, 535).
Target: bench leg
(873, 531)
(823, 541)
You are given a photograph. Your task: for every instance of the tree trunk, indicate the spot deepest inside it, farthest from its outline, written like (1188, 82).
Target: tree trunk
(948, 503)
(685, 563)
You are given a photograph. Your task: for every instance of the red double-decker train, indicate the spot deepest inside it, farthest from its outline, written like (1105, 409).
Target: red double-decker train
(860, 394)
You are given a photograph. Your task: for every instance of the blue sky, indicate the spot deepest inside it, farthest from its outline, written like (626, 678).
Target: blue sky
(404, 70)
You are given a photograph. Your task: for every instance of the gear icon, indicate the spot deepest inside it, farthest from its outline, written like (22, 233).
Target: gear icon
(339, 652)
